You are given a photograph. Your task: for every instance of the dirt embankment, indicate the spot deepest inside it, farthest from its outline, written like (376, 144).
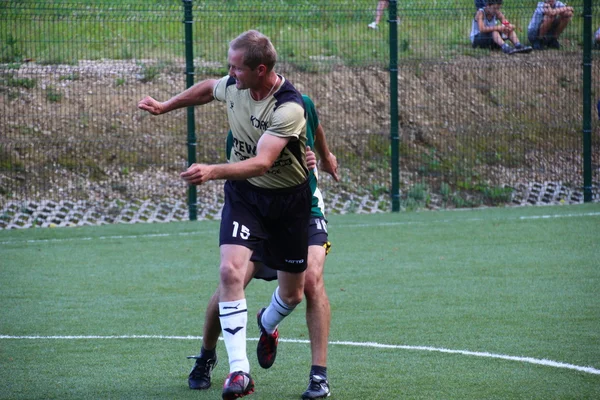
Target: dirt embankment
(498, 120)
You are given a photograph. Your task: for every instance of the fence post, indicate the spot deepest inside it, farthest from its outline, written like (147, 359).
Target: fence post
(587, 100)
(394, 134)
(191, 126)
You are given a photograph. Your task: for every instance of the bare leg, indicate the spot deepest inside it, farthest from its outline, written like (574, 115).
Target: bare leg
(212, 324)
(233, 268)
(497, 38)
(318, 311)
(545, 27)
(381, 6)
(562, 24)
(513, 38)
(291, 287)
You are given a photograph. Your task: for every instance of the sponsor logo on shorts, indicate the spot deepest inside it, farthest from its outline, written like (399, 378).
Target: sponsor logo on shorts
(295, 261)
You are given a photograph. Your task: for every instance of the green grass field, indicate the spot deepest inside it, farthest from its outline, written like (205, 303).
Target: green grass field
(64, 32)
(482, 304)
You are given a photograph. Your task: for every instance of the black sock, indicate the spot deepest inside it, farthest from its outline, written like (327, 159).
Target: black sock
(318, 370)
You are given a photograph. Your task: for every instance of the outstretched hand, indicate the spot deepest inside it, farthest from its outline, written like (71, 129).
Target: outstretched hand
(311, 159)
(152, 106)
(197, 174)
(329, 164)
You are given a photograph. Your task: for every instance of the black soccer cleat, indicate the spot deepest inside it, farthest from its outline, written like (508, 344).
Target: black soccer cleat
(199, 378)
(238, 384)
(522, 49)
(266, 350)
(318, 388)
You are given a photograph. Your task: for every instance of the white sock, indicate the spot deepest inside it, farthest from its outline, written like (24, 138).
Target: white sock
(234, 318)
(275, 312)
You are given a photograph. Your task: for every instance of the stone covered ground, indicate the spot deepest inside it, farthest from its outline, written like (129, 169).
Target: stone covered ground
(48, 213)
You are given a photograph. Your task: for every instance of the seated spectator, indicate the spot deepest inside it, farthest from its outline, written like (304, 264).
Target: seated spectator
(490, 29)
(549, 20)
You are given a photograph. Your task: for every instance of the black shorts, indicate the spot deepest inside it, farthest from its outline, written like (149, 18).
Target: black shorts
(317, 236)
(272, 221)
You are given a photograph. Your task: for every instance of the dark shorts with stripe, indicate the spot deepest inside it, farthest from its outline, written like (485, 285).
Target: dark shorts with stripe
(273, 222)
(317, 236)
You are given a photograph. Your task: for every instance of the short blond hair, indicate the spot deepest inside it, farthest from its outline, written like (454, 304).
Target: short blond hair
(258, 49)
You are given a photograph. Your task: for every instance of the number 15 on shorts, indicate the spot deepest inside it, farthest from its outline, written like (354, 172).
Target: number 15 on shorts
(241, 231)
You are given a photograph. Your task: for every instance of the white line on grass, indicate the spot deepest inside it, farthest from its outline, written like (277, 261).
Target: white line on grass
(591, 214)
(211, 231)
(113, 237)
(445, 221)
(529, 360)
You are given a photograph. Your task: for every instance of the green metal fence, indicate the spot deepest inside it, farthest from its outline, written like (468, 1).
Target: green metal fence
(475, 127)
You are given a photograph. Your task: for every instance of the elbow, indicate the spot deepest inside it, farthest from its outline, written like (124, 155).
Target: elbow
(262, 171)
(262, 168)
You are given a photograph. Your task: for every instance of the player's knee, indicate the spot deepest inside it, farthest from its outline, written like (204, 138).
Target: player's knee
(230, 275)
(313, 283)
(291, 298)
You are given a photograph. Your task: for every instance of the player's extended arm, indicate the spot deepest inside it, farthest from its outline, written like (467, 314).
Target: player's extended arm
(267, 150)
(200, 93)
(328, 160)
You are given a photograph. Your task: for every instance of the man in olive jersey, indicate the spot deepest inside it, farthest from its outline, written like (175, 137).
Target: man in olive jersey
(318, 313)
(267, 195)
